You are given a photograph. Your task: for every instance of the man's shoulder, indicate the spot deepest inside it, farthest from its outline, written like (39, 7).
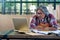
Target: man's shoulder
(51, 15)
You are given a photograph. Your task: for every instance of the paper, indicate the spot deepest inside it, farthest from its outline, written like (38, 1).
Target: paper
(45, 32)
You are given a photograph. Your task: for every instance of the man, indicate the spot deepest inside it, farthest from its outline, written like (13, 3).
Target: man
(43, 20)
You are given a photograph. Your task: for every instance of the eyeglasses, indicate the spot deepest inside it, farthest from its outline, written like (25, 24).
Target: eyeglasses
(39, 13)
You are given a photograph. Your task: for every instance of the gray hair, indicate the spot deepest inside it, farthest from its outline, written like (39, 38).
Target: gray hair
(44, 9)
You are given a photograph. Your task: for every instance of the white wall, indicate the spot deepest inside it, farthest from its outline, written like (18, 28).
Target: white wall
(56, 12)
(6, 23)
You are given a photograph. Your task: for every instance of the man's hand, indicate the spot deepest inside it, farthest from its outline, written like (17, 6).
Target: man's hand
(52, 29)
(44, 25)
(40, 28)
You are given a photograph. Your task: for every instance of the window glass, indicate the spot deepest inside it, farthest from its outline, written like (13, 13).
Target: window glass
(18, 8)
(0, 8)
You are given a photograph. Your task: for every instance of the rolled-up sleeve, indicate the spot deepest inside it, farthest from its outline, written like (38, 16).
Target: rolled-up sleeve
(32, 23)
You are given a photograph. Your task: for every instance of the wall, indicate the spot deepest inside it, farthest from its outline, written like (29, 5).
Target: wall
(6, 22)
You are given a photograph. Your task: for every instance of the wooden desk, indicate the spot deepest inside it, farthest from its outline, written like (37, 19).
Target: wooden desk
(17, 35)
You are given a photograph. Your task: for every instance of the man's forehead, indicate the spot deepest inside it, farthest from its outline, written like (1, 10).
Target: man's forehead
(40, 10)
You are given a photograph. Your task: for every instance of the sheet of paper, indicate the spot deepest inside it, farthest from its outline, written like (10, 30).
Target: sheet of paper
(46, 32)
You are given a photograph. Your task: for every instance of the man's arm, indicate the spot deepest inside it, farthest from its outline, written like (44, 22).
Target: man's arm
(33, 23)
(53, 21)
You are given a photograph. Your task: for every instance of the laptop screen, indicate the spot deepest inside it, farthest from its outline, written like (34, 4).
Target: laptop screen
(20, 23)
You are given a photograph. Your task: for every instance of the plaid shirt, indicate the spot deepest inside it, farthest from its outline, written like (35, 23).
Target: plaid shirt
(51, 20)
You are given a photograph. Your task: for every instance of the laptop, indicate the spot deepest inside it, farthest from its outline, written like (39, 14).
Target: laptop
(20, 24)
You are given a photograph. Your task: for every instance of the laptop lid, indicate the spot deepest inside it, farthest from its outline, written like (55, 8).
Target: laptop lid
(20, 24)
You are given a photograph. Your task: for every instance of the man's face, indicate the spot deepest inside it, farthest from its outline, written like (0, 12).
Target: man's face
(40, 14)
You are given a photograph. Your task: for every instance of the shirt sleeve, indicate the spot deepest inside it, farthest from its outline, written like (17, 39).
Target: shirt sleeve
(53, 21)
(32, 23)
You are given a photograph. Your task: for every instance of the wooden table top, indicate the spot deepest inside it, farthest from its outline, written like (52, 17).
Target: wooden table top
(17, 35)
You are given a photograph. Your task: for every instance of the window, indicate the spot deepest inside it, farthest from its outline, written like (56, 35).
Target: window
(0, 0)
(29, 8)
(17, 0)
(0, 8)
(32, 7)
(23, 6)
(10, 8)
(23, 0)
(32, 0)
(58, 0)
(7, 8)
(17, 8)
(46, 0)
(7, 0)
(29, 0)
(12, 0)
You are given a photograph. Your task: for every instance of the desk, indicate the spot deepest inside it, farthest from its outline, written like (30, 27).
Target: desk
(17, 35)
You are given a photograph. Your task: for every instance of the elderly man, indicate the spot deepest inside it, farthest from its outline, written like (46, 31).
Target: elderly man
(43, 20)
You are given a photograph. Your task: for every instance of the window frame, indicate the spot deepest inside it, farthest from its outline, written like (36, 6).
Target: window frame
(4, 3)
